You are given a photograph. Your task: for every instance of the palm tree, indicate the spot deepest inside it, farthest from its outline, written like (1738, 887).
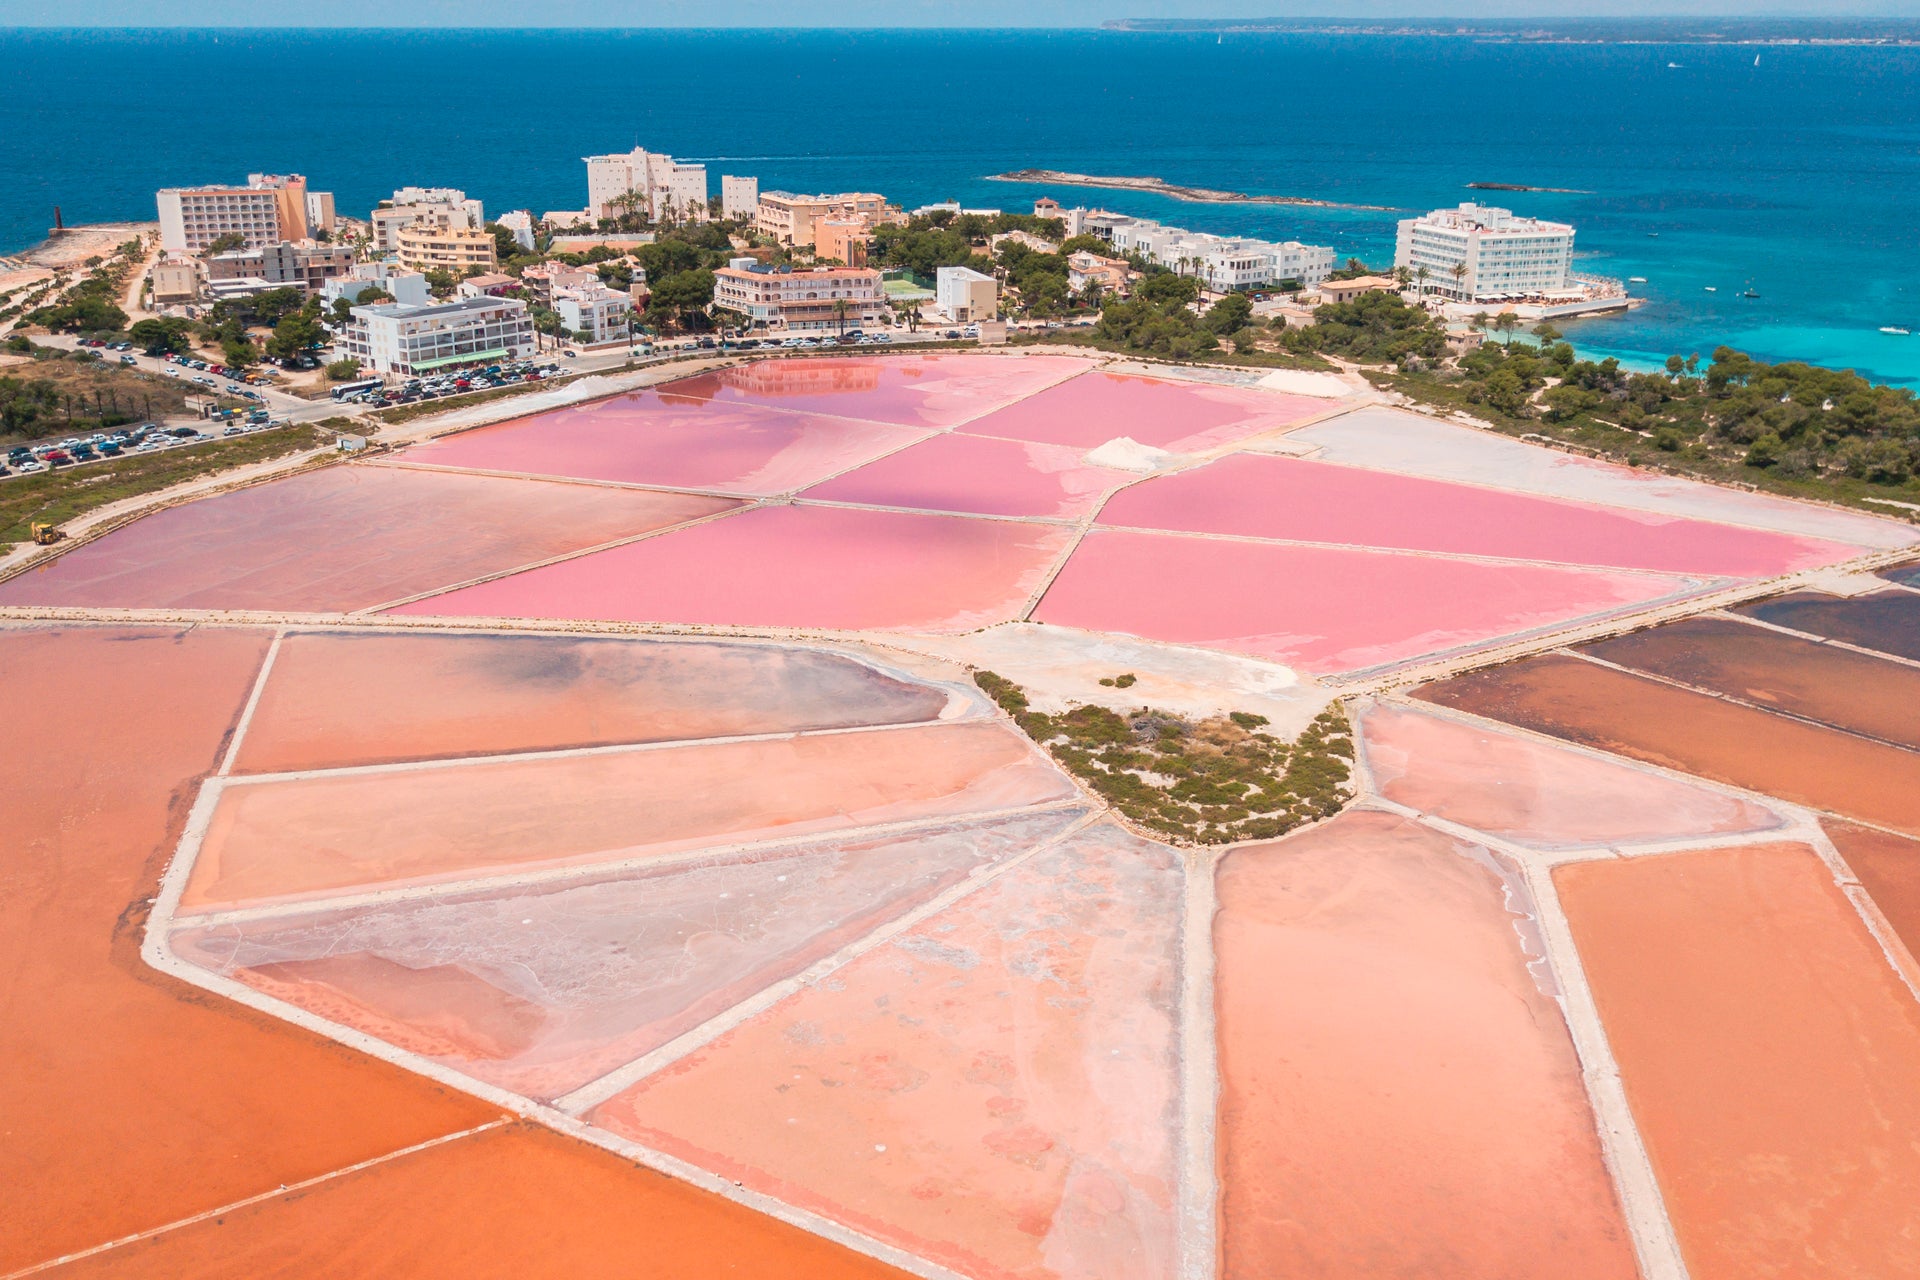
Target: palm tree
(1422, 273)
(1459, 271)
(840, 315)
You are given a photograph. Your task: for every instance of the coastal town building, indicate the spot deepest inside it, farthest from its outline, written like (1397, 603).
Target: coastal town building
(397, 339)
(1477, 253)
(953, 207)
(816, 300)
(320, 214)
(594, 313)
(1348, 290)
(305, 264)
(520, 223)
(843, 240)
(270, 208)
(1086, 268)
(1039, 244)
(455, 249)
(403, 286)
(1047, 207)
(646, 182)
(739, 198)
(490, 284)
(175, 280)
(543, 282)
(441, 207)
(965, 296)
(1223, 262)
(790, 218)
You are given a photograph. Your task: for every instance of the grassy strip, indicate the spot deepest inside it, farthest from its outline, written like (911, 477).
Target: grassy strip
(60, 496)
(1203, 782)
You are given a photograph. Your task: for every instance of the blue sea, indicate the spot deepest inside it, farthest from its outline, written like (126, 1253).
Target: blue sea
(1798, 177)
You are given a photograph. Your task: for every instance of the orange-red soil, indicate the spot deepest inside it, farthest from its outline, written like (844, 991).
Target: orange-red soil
(1398, 1098)
(1771, 1056)
(1641, 718)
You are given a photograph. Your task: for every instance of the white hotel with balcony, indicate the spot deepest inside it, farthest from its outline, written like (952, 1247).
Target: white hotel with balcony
(1478, 255)
(408, 340)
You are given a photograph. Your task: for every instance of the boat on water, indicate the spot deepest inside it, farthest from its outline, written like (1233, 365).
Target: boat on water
(1653, 235)
(1896, 329)
(1751, 293)
(1636, 279)
(1711, 289)
(1674, 66)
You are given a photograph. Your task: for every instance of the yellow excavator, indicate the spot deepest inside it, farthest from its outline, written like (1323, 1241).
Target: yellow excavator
(45, 534)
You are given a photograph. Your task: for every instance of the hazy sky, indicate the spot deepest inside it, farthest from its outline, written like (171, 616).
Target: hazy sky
(846, 13)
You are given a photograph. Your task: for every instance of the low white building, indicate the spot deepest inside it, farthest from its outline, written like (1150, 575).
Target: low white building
(401, 340)
(1477, 253)
(739, 198)
(966, 296)
(593, 313)
(406, 286)
(1223, 262)
(520, 223)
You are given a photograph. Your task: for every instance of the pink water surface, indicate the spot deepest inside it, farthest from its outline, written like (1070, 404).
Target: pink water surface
(1321, 609)
(936, 390)
(1185, 417)
(345, 537)
(969, 473)
(1266, 497)
(647, 438)
(790, 566)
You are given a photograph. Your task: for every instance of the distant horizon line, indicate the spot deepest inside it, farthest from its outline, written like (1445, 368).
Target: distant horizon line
(1120, 25)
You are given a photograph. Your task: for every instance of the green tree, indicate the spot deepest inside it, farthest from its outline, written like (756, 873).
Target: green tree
(224, 244)
(298, 332)
(1229, 315)
(343, 370)
(161, 335)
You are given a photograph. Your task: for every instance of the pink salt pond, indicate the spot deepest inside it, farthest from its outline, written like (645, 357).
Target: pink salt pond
(791, 566)
(996, 1091)
(1321, 609)
(345, 537)
(1183, 417)
(1255, 496)
(975, 474)
(935, 390)
(543, 988)
(662, 440)
(1535, 793)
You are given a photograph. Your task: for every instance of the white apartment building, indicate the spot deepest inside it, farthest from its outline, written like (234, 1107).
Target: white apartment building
(1477, 253)
(966, 296)
(818, 300)
(409, 287)
(641, 181)
(320, 213)
(739, 197)
(269, 209)
(520, 223)
(425, 247)
(1223, 262)
(402, 340)
(594, 310)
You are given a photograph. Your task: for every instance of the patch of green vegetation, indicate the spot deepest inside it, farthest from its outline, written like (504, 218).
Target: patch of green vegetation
(1211, 781)
(60, 496)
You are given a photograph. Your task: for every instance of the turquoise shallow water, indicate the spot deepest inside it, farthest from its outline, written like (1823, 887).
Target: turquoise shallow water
(1800, 176)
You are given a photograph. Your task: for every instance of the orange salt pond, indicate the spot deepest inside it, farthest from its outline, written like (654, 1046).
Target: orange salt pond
(363, 697)
(344, 537)
(996, 1091)
(542, 988)
(1821, 682)
(1771, 1056)
(133, 1101)
(513, 1203)
(1886, 621)
(1533, 792)
(1692, 732)
(1889, 868)
(327, 832)
(1398, 1096)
